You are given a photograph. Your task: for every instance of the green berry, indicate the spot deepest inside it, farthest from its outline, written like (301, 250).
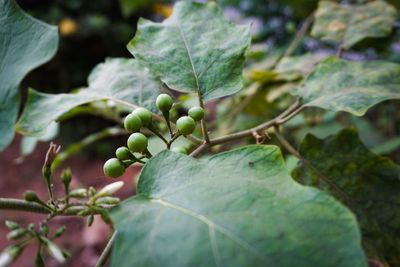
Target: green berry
(113, 168)
(164, 102)
(132, 123)
(144, 114)
(185, 125)
(123, 153)
(179, 149)
(197, 113)
(137, 142)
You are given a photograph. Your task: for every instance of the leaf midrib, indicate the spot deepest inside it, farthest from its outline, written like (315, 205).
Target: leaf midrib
(212, 227)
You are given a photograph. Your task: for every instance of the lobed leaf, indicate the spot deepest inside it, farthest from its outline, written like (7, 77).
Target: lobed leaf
(349, 24)
(196, 50)
(117, 79)
(238, 208)
(25, 43)
(354, 87)
(369, 184)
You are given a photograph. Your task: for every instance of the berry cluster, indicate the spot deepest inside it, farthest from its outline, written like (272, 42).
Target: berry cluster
(136, 150)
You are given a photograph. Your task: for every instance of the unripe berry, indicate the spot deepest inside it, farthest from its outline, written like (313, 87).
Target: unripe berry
(137, 142)
(196, 113)
(123, 153)
(144, 114)
(179, 149)
(185, 125)
(113, 168)
(132, 123)
(164, 102)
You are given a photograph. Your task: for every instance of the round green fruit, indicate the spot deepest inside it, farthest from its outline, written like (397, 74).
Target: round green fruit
(144, 114)
(196, 113)
(123, 153)
(132, 123)
(185, 125)
(179, 149)
(137, 142)
(164, 102)
(113, 168)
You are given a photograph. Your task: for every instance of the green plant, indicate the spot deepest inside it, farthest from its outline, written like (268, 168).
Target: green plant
(333, 202)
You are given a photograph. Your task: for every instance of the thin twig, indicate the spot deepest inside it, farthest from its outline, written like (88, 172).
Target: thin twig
(299, 35)
(106, 252)
(203, 122)
(199, 149)
(22, 205)
(280, 119)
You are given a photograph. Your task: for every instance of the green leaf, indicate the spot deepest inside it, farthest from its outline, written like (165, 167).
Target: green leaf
(354, 87)
(369, 184)
(28, 143)
(195, 50)
(118, 79)
(349, 24)
(238, 208)
(25, 43)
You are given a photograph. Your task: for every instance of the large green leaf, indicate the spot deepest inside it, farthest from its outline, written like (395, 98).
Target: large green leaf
(349, 24)
(341, 85)
(117, 79)
(369, 184)
(195, 50)
(25, 43)
(238, 208)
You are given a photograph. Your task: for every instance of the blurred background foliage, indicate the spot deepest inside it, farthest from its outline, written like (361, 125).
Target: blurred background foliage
(91, 31)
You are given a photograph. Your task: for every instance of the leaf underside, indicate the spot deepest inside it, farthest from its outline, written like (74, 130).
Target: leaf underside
(238, 208)
(354, 87)
(25, 43)
(117, 79)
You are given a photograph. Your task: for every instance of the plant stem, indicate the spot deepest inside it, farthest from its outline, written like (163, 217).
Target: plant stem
(175, 136)
(199, 149)
(22, 205)
(280, 119)
(203, 121)
(106, 252)
(289, 113)
(156, 132)
(299, 35)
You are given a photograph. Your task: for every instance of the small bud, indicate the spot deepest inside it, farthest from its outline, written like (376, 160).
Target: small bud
(90, 220)
(60, 231)
(66, 177)
(30, 196)
(44, 229)
(31, 227)
(85, 212)
(55, 251)
(66, 253)
(110, 189)
(78, 193)
(108, 200)
(12, 225)
(10, 254)
(17, 234)
(92, 191)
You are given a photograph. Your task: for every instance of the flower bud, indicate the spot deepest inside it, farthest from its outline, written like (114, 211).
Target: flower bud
(12, 225)
(110, 189)
(78, 193)
(108, 200)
